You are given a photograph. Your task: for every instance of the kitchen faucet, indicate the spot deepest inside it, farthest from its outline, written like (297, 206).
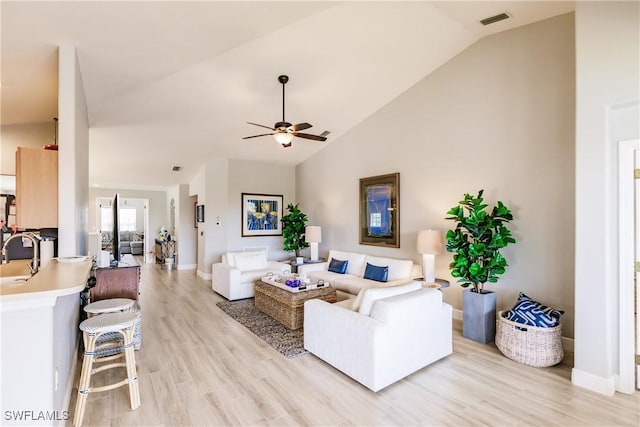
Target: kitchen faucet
(33, 267)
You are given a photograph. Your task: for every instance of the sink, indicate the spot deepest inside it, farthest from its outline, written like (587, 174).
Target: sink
(12, 281)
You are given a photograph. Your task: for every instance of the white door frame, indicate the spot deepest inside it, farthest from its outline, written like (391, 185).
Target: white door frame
(626, 239)
(149, 244)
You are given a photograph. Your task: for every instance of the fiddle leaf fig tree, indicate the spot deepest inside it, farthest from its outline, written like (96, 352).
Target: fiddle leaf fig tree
(293, 226)
(477, 240)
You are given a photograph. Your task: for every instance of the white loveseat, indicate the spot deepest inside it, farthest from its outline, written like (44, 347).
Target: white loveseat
(233, 278)
(386, 338)
(349, 284)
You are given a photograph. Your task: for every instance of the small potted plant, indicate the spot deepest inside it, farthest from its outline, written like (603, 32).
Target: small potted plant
(476, 242)
(293, 226)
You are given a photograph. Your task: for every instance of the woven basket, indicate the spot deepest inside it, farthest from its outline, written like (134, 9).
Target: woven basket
(529, 345)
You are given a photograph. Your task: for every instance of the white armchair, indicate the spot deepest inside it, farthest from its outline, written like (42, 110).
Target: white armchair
(233, 278)
(402, 334)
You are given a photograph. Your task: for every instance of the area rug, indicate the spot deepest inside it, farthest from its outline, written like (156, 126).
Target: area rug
(284, 340)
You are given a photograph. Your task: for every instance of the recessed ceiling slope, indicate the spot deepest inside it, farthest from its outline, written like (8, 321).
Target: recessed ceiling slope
(172, 83)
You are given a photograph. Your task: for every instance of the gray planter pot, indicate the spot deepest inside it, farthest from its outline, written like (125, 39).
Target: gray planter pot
(479, 316)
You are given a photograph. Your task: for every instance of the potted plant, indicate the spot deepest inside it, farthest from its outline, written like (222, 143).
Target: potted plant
(476, 242)
(293, 226)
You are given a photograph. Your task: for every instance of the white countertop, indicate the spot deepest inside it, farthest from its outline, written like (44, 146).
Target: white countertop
(54, 280)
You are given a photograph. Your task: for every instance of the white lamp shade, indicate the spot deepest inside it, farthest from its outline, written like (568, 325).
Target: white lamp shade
(313, 234)
(283, 137)
(430, 242)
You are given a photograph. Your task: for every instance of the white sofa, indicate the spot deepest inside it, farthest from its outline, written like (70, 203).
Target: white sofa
(348, 285)
(388, 336)
(233, 278)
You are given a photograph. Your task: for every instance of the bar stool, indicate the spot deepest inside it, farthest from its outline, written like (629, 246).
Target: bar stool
(111, 305)
(92, 329)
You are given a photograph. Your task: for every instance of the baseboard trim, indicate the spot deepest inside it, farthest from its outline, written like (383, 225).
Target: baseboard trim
(567, 343)
(606, 386)
(187, 266)
(203, 275)
(72, 376)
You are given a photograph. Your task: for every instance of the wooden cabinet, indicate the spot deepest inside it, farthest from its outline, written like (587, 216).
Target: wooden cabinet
(36, 188)
(117, 282)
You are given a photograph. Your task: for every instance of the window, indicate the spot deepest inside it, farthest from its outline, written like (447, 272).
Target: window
(127, 219)
(376, 220)
(106, 218)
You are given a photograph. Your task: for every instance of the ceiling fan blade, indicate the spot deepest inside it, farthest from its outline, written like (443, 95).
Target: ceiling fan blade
(262, 126)
(325, 133)
(300, 126)
(255, 136)
(309, 136)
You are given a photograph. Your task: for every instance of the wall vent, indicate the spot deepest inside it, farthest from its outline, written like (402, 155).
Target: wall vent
(176, 168)
(493, 19)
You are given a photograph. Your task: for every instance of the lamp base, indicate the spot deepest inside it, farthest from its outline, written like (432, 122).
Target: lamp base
(314, 251)
(429, 268)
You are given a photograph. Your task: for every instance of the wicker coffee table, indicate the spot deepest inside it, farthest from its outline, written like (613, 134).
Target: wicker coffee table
(288, 307)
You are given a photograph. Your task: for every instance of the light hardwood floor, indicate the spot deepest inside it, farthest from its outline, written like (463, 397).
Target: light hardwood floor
(197, 366)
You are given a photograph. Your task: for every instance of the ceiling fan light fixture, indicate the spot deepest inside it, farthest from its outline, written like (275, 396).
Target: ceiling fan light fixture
(283, 132)
(283, 137)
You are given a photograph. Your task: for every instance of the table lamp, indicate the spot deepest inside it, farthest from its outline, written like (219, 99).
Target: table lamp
(429, 244)
(313, 236)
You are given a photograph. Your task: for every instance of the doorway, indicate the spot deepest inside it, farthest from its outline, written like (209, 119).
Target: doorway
(134, 221)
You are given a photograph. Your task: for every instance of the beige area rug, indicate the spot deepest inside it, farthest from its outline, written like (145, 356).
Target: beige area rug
(284, 340)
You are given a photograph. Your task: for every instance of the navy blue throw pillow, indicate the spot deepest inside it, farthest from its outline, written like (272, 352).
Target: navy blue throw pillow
(373, 272)
(532, 313)
(338, 266)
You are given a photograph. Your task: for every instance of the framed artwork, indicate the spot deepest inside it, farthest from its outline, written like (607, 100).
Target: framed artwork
(380, 210)
(261, 215)
(200, 213)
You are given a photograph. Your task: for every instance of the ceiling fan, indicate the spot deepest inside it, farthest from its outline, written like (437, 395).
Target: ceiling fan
(283, 131)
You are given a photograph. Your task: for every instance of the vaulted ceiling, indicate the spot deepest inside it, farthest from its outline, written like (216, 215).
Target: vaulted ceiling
(174, 83)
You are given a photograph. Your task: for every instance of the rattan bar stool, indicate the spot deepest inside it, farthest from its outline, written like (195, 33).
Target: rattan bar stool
(92, 329)
(111, 305)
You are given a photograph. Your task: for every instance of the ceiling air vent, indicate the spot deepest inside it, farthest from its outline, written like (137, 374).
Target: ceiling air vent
(176, 168)
(496, 18)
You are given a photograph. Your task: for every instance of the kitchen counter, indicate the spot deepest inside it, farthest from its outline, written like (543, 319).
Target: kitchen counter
(39, 338)
(54, 280)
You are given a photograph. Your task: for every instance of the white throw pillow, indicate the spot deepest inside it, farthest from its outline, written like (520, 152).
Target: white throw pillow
(372, 295)
(231, 256)
(398, 268)
(250, 261)
(355, 264)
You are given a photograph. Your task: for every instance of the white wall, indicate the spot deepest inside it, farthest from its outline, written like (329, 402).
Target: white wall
(197, 188)
(35, 135)
(185, 234)
(257, 178)
(607, 86)
(499, 117)
(219, 186)
(73, 157)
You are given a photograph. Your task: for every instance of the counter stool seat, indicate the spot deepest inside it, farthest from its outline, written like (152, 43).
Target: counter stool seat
(92, 329)
(113, 305)
(109, 306)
